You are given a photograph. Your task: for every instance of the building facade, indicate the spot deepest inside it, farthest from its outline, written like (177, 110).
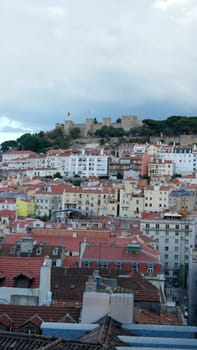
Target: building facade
(175, 236)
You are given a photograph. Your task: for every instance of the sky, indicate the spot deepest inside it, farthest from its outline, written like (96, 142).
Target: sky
(95, 59)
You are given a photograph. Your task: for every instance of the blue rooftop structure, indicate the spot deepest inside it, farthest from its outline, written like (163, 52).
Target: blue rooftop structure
(151, 337)
(68, 331)
(180, 193)
(142, 343)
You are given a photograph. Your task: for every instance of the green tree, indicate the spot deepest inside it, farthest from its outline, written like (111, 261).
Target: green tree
(119, 176)
(74, 133)
(30, 142)
(9, 146)
(106, 132)
(57, 175)
(102, 141)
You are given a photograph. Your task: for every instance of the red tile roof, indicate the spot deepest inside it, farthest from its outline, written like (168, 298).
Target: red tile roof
(20, 152)
(20, 315)
(150, 317)
(5, 320)
(150, 215)
(12, 267)
(109, 253)
(35, 319)
(27, 274)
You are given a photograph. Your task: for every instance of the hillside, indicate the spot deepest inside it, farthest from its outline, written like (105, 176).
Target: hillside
(44, 141)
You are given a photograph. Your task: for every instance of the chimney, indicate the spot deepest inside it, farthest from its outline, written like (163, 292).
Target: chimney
(45, 282)
(122, 307)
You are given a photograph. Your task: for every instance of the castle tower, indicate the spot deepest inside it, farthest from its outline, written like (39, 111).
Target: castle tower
(130, 121)
(89, 126)
(68, 124)
(107, 121)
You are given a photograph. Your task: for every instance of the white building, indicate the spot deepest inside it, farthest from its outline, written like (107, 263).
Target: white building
(156, 198)
(161, 167)
(175, 236)
(87, 165)
(25, 281)
(192, 288)
(184, 157)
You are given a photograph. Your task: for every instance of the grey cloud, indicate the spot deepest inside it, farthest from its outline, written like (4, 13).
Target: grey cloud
(87, 55)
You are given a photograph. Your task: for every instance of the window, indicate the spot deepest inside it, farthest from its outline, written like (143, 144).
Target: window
(147, 225)
(55, 251)
(29, 331)
(150, 268)
(135, 267)
(12, 250)
(39, 251)
(118, 265)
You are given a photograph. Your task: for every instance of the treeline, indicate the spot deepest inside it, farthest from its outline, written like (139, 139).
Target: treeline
(172, 126)
(44, 141)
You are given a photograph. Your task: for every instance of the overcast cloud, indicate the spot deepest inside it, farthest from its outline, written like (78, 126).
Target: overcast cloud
(94, 59)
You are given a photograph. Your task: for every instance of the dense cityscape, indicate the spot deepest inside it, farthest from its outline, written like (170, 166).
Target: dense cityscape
(98, 240)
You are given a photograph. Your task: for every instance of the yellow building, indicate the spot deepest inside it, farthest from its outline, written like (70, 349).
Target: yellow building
(131, 202)
(25, 208)
(97, 200)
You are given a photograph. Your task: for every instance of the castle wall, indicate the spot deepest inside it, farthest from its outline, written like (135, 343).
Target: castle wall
(90, 127)
(129, 122)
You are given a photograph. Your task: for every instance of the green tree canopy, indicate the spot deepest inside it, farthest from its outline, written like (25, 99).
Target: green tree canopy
(9, 146)
(74, 133)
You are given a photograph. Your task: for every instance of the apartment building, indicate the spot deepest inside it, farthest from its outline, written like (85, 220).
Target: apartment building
(156, 198)
(135, 256)
(183, 200)
(184, 157)
(101, 200)
(131, 203)
(14, 155)
(175, 236)
(25, 208)
(49, 200)
(98, 200)
(87, 165)
(192, 288)
(161, 167)
(68, 163)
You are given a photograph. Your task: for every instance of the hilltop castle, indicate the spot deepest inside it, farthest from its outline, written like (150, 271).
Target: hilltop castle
(91, 125)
